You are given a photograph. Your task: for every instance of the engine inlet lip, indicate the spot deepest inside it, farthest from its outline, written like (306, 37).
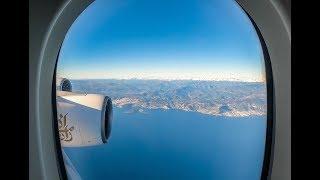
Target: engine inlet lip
(106, 119)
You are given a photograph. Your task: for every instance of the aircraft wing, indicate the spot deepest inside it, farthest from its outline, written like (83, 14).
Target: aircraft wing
(72, 172)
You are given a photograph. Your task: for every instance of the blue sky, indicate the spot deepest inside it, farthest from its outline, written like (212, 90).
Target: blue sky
(162, 39)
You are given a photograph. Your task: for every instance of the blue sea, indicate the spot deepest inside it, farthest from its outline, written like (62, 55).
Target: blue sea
(175, 144)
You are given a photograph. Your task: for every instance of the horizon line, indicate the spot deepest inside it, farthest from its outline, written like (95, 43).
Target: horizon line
(219, 80)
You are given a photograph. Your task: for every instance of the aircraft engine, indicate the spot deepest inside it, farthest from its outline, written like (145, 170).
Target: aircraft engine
(63, 84)
(83, 119)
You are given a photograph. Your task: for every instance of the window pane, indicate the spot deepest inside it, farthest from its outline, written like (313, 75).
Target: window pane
(162, 90)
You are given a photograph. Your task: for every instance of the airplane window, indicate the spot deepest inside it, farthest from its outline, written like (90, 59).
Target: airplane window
(162, 90)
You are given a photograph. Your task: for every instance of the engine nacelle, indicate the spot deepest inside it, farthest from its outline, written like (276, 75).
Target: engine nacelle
(83, 119)
(63, 84)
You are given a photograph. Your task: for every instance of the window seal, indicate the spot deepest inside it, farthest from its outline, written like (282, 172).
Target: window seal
(57, 144)
(270, 132)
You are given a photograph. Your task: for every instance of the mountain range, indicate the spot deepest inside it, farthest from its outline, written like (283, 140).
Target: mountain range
(219, 98)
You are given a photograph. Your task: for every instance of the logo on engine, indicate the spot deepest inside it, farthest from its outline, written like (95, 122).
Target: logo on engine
(64, 130)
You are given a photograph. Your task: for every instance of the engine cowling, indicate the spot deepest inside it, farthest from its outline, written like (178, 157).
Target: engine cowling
(83, 119)
(63, 84)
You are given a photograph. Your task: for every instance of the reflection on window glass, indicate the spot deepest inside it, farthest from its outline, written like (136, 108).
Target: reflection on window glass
(162, 90)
